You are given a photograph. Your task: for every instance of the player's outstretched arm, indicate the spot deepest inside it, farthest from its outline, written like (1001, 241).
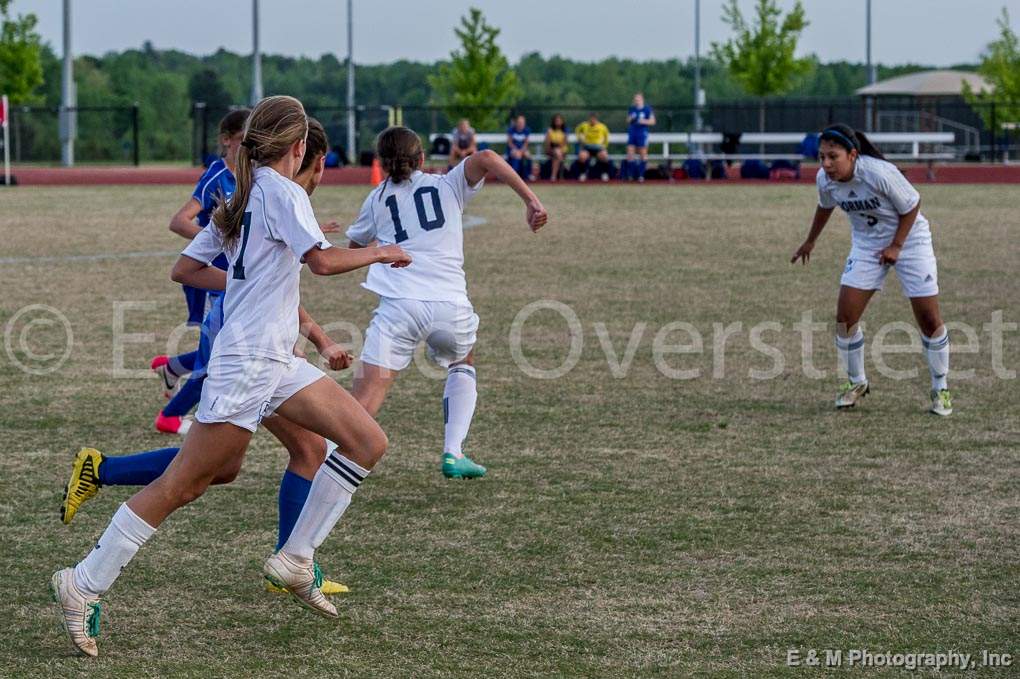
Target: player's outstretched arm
(332, 261)
(489, 162)
(188, 271)
(183, 222)
(803, 253)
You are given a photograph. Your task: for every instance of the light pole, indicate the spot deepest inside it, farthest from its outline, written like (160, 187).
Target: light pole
(68, 116)
(869, 108)
(351, 118)
(698, 95)
(256, 55)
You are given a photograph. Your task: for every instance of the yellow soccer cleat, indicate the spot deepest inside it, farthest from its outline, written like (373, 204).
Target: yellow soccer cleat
(328, 587)
(83, 484)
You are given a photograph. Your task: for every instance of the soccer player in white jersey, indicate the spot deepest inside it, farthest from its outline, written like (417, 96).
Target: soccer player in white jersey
(888, 231)
(427, 302)
(268, 231)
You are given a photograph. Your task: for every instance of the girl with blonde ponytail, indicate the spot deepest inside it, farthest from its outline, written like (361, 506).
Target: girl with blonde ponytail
(268, 232)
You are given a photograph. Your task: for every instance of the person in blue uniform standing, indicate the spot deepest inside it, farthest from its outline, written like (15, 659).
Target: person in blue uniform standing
(640, 119)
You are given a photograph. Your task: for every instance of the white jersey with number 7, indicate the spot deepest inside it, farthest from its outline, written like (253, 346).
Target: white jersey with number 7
(260, 308)
(423, 215)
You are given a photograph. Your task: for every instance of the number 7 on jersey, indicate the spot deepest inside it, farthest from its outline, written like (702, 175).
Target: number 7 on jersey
(239, 262)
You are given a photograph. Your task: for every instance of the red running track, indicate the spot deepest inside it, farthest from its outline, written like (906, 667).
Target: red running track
(130, 175)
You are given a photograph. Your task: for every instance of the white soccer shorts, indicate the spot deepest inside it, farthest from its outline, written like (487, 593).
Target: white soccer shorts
(242, 390)
(916, 268)
(398, 325)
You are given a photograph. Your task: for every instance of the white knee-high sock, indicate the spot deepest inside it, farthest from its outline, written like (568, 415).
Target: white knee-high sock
(459, 400)
(851, 356)
(331, 492)
(119, 543)
(936, 350)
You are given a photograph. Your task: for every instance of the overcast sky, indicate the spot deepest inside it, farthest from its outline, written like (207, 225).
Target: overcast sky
(938, 32)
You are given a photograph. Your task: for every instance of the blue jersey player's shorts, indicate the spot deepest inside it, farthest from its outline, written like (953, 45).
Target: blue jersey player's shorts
(638, 138)
(195, 298)
(211, 325)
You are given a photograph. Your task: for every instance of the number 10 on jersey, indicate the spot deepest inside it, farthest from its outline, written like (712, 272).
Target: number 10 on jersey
(423, 219)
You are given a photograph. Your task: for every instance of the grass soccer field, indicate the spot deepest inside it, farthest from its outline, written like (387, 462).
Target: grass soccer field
(635, 521)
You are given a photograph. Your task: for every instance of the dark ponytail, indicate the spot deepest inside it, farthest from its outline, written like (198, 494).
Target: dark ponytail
(399, 150)
(851, 140)
(316, 144)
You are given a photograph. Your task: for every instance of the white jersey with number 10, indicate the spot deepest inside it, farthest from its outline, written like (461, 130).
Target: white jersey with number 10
(423, 215)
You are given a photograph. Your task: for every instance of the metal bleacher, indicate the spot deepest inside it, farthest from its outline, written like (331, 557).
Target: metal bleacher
(698, 145)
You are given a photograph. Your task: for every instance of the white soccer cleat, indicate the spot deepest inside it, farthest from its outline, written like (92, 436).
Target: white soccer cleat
(850, 394)
(301, 580)
(941, 403)
(78, 614)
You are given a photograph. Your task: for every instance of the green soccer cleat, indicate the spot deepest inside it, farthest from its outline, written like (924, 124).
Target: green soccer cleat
(83, 484)
(941, 403)
(461, 468)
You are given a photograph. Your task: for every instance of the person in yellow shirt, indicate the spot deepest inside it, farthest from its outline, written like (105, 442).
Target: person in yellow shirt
(593, 140)
(556, 145)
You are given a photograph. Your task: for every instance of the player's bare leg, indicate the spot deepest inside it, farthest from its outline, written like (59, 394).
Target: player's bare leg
(210, 452)
(307, 451)
(371, 384)
(326, 409)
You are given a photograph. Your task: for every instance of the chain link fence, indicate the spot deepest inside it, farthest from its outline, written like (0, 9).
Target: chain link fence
(103, 134)
(111, 134)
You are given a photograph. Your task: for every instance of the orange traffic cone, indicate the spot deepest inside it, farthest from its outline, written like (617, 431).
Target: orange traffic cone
(376, 177)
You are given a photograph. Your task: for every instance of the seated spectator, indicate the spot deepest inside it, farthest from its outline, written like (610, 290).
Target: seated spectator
(556, 145)
(462, 142)
(517, 153)
(593, 140)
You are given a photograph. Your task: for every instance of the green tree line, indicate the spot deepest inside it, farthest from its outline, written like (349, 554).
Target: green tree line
(164, 83)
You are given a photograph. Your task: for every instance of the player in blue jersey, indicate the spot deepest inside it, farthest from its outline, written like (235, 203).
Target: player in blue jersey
(517, 153)
(640, 118)
(216, 184)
